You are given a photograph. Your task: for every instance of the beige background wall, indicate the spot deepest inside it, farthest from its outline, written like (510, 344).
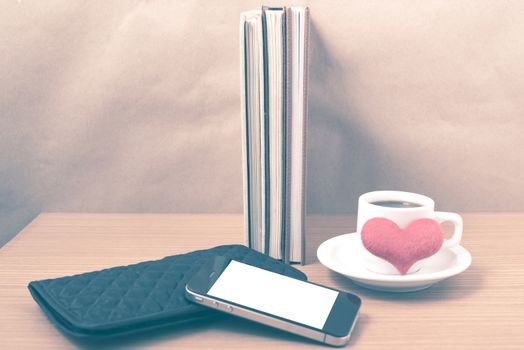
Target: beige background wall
(134, 105)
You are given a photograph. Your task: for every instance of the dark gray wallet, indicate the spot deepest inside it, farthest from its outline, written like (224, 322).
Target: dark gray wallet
(138, 297)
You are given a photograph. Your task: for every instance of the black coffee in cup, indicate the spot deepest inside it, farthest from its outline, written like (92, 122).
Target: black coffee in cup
(397, 204)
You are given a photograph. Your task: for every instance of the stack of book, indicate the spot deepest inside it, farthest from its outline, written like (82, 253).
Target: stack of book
(274, 59)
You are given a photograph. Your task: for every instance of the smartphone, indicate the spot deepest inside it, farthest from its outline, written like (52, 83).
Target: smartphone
(307, 309)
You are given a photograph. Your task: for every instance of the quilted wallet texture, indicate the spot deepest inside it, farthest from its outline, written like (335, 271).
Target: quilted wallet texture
(128, 299)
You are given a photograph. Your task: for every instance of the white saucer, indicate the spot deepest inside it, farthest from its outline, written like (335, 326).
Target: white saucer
(342, 254)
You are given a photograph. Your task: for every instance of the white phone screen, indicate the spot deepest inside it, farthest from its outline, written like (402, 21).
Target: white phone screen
(275, 294)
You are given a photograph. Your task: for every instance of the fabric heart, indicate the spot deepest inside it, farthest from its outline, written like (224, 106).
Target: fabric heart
(402, 248)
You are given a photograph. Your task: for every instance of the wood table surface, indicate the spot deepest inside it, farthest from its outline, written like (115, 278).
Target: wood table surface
(482, 308)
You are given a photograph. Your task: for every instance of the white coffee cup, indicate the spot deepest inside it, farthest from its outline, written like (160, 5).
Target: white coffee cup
(412, 207)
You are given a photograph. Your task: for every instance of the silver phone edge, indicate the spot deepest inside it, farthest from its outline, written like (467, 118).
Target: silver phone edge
(270, 321)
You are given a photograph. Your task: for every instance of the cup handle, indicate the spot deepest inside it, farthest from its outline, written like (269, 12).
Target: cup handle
(441, 216)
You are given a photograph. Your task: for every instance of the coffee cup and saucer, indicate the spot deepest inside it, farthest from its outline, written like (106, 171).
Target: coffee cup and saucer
(398, 245)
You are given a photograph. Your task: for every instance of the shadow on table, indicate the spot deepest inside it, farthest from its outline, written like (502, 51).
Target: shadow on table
(227, 326)
(146, 338)
(237, 326)
(458, 287)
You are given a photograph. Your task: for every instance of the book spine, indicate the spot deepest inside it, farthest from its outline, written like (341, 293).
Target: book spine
(244, 131)
(288, 133)
(266, 170)
(253, 135)
(274, 26)
(264, 183)
(285, 181)
(304, 132)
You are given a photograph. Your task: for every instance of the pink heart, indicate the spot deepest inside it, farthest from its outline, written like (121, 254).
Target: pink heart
(402, 248)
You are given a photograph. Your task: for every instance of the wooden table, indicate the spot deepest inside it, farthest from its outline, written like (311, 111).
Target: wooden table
(483, 308)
